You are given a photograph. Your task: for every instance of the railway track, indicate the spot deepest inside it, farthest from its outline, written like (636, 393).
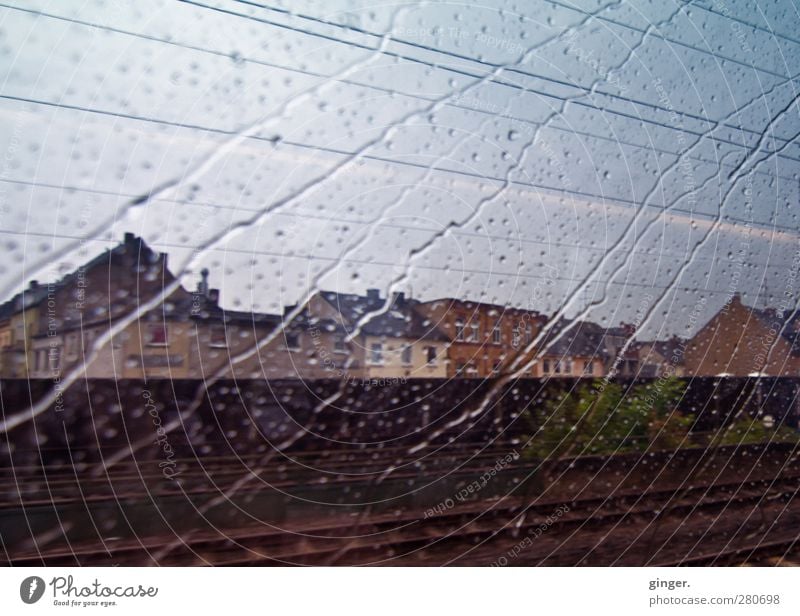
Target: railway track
(404, 536)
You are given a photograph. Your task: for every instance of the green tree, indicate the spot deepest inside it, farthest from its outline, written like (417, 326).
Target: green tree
(602, 418)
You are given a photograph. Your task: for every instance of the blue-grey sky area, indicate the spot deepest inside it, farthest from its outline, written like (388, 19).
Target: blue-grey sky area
(639, 159)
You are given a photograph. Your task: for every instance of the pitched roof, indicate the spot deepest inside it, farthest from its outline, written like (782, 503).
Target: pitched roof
(353, 307)
(584, 340)
(398, 319)
(403, 322)
(666, 348)
(37, 292)
(788, 325)
(181, 304)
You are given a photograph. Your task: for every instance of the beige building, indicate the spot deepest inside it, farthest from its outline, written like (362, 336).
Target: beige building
(390, 340)
(402, 343)
(17, 325)
(659, 358)
(577, 352)
(51, 329)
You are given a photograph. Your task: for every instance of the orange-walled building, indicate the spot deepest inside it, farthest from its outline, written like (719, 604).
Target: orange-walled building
(484, 338)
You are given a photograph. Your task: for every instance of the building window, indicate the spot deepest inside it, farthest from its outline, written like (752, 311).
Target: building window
(293, 341)
(459, 329)
(218, 337)
(376, 353)
(157, 334)
(496, 338)
(39, 360)
(546, 366)
(496, 368)
(472, 369)
(406, 355)
(430, 354)
(528, 334)
(474, 331)
(54, 358)
(557, 368)
(588, 367)
(567, 366)
(460, 368)
(71, 345)
(339, 344)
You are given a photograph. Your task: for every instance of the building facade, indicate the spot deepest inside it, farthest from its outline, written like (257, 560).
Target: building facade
(742, 341)
(485, 339)
(572, 350)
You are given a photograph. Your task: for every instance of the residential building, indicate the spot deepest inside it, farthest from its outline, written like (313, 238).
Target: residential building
(484, 338)
(52, 328)
(659, 358)
(576, 351)
(390, 339)
(308, 347)
(621, 355)
(741, 341)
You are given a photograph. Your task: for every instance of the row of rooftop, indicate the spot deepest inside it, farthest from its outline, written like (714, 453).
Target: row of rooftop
(52, 328)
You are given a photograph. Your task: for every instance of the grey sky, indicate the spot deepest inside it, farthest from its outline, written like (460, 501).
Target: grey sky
(537, 173)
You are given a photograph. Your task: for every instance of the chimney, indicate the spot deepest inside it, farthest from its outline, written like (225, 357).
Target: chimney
(33, 285)
(373, 294)
(398, 298)
(129, 237)
(202, 286)
(213, 296)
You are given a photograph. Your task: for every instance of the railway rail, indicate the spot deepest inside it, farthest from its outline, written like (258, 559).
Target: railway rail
(405, 536)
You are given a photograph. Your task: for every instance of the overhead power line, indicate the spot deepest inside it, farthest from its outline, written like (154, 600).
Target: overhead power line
(404, 163)
(456, 105)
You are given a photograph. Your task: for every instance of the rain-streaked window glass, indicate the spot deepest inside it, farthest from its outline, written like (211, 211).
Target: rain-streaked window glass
(428, 283)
